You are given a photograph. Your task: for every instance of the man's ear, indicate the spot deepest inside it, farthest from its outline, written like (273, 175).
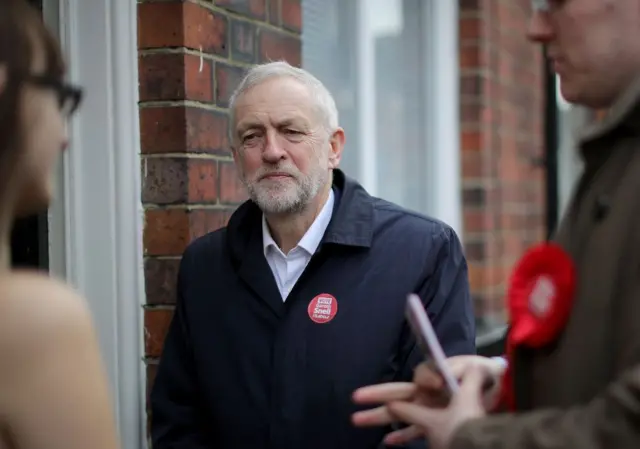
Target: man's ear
(234, 153)
(337, 145)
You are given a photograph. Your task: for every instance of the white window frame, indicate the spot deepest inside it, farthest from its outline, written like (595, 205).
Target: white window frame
(95, 225)
(442, 127)
(442, 121)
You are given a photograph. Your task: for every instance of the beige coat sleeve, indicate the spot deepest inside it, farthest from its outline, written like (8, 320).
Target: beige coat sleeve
(609, 421)
(612, 420)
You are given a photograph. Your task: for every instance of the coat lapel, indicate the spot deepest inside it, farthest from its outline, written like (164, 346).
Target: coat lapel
(256, 274)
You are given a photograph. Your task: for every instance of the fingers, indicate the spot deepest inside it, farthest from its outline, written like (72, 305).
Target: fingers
(475, 379)
(413, 413)
(427, 377)
(472, 388)
(378, 416)
(403, 436)
(378, 394)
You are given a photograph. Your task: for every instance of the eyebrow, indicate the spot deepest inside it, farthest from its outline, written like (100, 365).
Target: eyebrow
(289, 121)
(247, 126)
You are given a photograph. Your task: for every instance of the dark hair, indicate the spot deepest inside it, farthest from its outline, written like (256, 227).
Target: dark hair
(23, 34)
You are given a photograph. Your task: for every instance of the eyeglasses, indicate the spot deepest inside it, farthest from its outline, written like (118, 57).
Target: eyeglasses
(546, 5)
(539, 5)
(69, 95)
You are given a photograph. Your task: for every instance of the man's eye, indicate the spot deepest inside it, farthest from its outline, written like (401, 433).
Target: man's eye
(291, 131)
(248, 137)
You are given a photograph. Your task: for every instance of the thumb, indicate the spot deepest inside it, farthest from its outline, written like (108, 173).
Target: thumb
(472, 382)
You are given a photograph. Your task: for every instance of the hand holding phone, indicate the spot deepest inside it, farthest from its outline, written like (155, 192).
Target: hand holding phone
(428, 341)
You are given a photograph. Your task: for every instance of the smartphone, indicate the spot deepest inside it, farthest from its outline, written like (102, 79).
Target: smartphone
(428, 341)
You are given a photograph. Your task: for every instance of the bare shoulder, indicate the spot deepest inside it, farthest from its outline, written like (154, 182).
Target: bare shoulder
(50, 363)
(37, 311)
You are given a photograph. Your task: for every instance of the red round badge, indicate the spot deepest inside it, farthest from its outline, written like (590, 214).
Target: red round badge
(323, 308)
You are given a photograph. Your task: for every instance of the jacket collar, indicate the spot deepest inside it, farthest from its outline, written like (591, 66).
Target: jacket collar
(351, 223)
(623, 117)
(312, 238)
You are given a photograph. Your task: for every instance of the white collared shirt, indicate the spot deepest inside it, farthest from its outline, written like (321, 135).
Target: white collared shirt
(287, 268)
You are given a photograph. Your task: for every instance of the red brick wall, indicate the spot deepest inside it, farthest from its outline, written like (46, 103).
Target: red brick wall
(192, 54)
(502, 112)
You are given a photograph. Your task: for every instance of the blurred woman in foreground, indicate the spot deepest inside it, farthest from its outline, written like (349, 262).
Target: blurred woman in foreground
(53, 388)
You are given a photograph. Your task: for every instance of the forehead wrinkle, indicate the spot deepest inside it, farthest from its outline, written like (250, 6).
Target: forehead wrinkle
(254, 121)
(285, 95)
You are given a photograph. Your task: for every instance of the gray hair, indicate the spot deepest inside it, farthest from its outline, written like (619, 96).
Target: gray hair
(278, 69)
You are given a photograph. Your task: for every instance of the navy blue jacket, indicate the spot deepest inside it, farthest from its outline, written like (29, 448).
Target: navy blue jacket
(241, 369)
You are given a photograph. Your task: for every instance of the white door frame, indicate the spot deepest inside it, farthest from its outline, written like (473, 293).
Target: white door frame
(96, 223)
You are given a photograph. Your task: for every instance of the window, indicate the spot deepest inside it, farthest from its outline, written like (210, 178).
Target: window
(376, 58)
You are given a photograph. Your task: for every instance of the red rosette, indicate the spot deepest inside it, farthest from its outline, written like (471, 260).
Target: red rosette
(539, 301)
(540, 295)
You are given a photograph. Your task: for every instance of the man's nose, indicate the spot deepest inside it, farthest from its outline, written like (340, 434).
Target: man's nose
(540, 29)
(273, 151)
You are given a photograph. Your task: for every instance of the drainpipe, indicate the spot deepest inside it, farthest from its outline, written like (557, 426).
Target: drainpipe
(551, 143)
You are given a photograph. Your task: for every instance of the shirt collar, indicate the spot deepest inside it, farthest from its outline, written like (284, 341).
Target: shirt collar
(312, 238)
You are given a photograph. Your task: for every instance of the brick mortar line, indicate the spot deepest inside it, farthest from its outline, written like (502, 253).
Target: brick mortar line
(182, 103)
(519, 139)
(490, 74)
(474, 100)
(145, 258)
(482, 127)
(487, 64)
(511, 214)
(479, 125)
(206, 156)
(242, 18)
(522, 233)
(489, 126)
(468, 13)
(210, 57)
(484, 102)
(518, 7)
(157, 307)
(497, 290)
(501, 262)
(489, 182)
(490, 55)
(484, 13)
(468, 184)
(191, 206)
(472, 126)
(472, 182)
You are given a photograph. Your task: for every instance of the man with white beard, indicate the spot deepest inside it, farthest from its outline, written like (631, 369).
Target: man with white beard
(301, 298)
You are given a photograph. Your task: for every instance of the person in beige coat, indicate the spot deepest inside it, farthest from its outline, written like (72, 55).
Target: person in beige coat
(582, 390)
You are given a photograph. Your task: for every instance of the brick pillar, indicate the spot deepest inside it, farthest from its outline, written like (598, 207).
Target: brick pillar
(502, 114)
(192, 55)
